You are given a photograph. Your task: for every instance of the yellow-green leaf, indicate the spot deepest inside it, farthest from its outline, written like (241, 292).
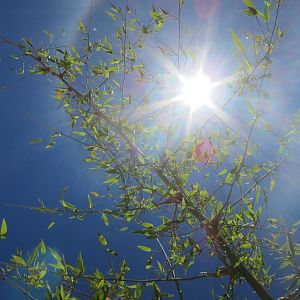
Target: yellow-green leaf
(67, 204)
(3, 230)
(105, 219)
(229, 177)
(112, 15)
(274, 222)
(117, 84)
(95, 194)
(247, 245)
(81, 133)
(81, 27)
(50, 145)
(102, 240)
(162, 269)
(43, 247)
(237, 41)
(18, 260)
(90, 201)
(80, 263)
(51, 225)
(247, 64)
(36, 141)
(223, 172)
(272, 184)
(144, 248)
(296, 224)
(249, 3)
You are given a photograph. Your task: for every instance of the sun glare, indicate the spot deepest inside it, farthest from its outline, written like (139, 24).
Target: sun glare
(196, 91)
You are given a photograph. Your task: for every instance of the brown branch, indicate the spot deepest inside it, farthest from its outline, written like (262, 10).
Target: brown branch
(229, 253)
(167, 279)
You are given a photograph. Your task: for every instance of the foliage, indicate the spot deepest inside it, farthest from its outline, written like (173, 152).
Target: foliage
(209, 183)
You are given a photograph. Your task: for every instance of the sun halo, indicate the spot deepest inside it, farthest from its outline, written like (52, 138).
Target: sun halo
(196, 91)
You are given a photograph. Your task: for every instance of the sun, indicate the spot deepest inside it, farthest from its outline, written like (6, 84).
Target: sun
(196, 91)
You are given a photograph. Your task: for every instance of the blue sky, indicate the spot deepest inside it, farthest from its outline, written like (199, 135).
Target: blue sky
(27, 111)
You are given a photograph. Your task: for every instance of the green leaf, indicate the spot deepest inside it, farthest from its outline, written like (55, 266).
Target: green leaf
(261, 15)
(67, 204)
(161, 267)
(51, 225)
(229, 177)
(157, 291)
(105, 219)
(95, 194)
(247, 64)
(223, 172)
(56, 256)
(65, 189)
(102, 239)
(116, 83)
(80, 263)
(18, 260)
(147, 225)
(251, 12)
(149, 263)
(15, 57)
(213, 294)
(279, 33)
(112, 15)
(274, 222)
(89, 159)
(107, 48)
(43, 247)
(266, 13)
(60, 293)
(3, 230)
(81, 133)
(112, 252)
(258, 192)
(284, 265)
(249, 3)
(50, 145)
(29, 43)
(247, 245)
(90, 201)
(33, 256)
(237, 41)
(81, 27)
(36, 141)
(112, 180)
(296, 224)
(144, 248)
(272, 183)
(48, 295)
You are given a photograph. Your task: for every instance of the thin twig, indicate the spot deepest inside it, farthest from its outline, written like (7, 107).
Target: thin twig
(21, 289)
(179, 290)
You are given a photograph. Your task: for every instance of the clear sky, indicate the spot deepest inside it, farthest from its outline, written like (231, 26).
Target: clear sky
(27, 111)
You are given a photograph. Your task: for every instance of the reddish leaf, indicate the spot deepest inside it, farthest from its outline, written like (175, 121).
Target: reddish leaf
(203, 152)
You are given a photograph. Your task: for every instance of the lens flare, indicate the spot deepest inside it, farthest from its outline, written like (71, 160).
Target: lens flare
(196, 91)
